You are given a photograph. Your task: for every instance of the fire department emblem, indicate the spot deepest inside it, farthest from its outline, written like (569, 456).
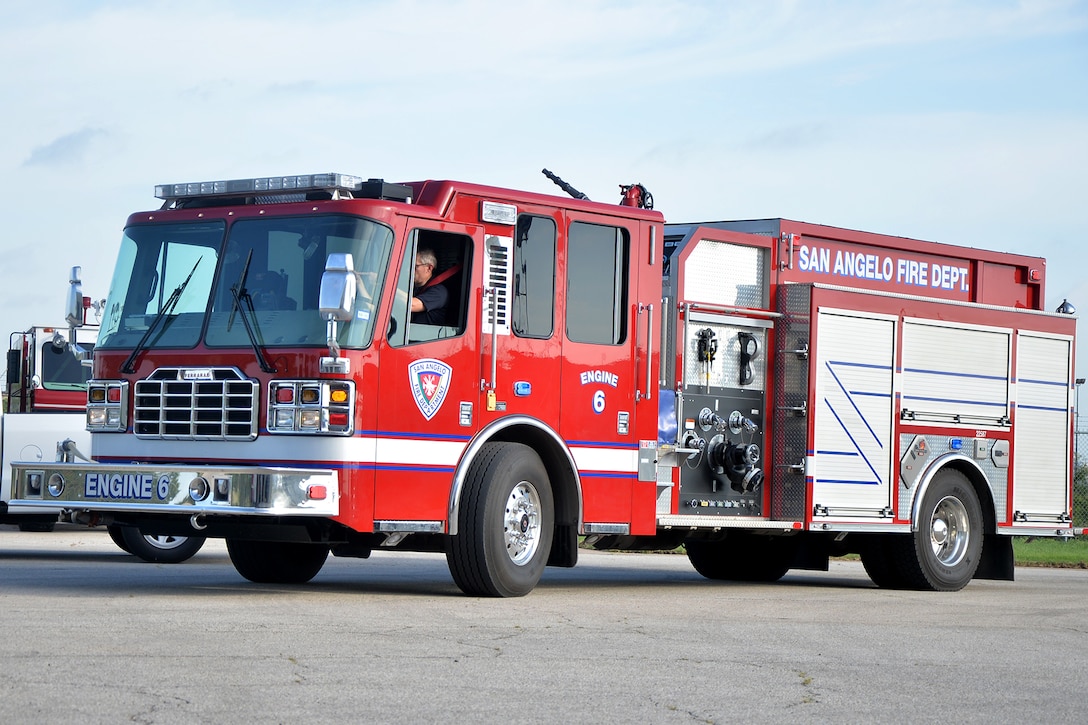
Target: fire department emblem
(430, 380)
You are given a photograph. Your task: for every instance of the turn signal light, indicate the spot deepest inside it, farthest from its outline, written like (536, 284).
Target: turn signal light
(323, 407)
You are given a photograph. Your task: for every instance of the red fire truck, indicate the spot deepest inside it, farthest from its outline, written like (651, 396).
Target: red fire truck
(274, 367)
(44, 416)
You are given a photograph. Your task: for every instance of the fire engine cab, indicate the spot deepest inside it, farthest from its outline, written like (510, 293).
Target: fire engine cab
(275, 367)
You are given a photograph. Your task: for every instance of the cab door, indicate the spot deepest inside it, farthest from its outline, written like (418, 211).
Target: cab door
(608, 378)
(428, 391)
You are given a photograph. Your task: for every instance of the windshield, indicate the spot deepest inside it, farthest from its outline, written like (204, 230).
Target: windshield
(274, 266)
(155, 260)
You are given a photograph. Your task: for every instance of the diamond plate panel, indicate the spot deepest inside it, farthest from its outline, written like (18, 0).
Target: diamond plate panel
(724, 372)
(719, 273)
(997, 478)
(790, 444)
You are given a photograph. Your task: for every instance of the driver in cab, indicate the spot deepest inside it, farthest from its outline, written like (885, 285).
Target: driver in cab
(428, 300)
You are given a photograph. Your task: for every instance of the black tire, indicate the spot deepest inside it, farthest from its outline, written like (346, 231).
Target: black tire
(743, 556)
(159, 549)
(115, 534)
(40, 527)
(505, 523)
(879, 563)
(277, 562)
(944, 552)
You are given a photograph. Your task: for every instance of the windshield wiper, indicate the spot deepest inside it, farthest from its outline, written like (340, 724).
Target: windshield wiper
(171, 303)
(239, 292)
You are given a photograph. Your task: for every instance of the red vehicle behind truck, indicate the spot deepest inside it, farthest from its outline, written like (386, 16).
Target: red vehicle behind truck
(44, 419)
(44, 404)
(768, 393)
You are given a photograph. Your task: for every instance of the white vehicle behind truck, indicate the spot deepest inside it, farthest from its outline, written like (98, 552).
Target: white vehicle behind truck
(44, 419)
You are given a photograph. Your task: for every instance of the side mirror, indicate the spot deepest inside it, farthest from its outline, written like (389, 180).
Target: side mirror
(74, 315)
(15, 369)
(336, 298)
(74, 307)
(336, 301)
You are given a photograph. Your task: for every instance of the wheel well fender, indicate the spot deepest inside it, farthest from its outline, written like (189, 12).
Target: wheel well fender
(554, 454)
(974, 474)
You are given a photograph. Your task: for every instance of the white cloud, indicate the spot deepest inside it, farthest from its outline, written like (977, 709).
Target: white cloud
(71, 148)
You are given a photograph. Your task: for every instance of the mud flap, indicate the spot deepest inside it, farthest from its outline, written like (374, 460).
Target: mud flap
(564, 551)
(997, 561)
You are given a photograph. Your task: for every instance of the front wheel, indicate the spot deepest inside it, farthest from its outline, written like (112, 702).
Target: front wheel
(505, 523)
(157, 549)
(944, 551)
(277, 562)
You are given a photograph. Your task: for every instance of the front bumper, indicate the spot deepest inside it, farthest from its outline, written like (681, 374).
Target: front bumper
(240, 490)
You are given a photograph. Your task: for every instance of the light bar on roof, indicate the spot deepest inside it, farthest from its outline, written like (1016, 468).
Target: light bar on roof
(260, 185)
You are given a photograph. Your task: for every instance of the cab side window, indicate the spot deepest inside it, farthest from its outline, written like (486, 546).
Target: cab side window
(533, 308)
(597, 283)
(432, 289)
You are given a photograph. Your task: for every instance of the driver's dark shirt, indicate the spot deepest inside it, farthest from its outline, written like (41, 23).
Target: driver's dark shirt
(434, 299)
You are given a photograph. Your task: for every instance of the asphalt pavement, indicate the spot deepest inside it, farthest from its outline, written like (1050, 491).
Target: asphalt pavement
(89, 634)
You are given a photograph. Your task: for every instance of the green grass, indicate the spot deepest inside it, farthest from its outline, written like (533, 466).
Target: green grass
(1064, 553)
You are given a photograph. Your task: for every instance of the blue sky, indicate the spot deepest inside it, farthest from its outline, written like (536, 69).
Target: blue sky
(963, 121)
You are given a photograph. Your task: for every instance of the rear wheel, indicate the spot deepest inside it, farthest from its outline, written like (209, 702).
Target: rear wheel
(743, 556)
(277, 562)
(158, 549)
(505, 523)
(879, 564)
(944, 551)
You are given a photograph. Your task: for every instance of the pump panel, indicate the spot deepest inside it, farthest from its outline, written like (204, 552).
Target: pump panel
(722, 416)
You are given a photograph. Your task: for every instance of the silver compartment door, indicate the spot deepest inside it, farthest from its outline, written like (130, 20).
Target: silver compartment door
(850, 464)
(1041, 438)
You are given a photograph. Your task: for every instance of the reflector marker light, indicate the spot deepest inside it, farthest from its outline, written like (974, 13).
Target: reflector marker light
(497, 213)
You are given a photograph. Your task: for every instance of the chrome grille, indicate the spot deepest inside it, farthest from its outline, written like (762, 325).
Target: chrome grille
(196, 404)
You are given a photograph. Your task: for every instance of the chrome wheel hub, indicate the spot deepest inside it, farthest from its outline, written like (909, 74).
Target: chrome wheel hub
(521, 523)
(949, 531)
(165, 542)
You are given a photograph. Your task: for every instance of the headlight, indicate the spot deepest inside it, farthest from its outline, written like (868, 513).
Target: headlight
(311, 406)
(107, 403)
